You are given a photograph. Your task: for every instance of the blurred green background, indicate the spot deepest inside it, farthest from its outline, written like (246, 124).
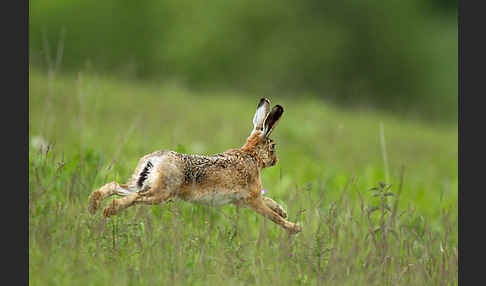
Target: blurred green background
(397, 56)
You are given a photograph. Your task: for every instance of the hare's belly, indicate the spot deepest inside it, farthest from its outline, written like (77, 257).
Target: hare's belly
(217, 197)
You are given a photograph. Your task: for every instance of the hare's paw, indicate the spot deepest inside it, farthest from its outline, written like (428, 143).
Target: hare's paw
(275, 207)
(94, 201)
(281, 212)
(294, 228)
(111, 208)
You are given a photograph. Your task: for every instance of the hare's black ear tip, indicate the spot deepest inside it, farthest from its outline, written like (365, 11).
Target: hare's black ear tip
(262, 101)
(279, 108)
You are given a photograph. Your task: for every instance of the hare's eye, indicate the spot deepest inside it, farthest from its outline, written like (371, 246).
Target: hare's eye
(272, 147)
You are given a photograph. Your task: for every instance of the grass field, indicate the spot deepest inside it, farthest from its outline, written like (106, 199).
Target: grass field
(99, 127)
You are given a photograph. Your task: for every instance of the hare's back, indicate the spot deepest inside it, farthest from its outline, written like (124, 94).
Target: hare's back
(216, 180)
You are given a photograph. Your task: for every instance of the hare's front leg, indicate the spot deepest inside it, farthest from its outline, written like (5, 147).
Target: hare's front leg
(259, 206)
(107, 190)
(275, 207)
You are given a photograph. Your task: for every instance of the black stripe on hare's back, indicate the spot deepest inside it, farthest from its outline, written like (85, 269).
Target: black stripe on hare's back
(144, 174)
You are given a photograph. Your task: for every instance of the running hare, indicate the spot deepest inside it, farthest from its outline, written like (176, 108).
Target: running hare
(229, 177)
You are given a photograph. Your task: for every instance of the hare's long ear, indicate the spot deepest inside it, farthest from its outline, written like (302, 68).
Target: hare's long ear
(261, 113)
(272, 119)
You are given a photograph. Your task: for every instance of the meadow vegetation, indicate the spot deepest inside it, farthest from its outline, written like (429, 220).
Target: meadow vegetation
(376, 194)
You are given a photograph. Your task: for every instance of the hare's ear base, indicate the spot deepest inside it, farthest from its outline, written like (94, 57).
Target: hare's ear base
(261, 113)
(272, 119)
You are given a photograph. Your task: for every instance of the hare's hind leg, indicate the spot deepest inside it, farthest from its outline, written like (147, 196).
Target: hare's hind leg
(107, 190)
(157, 178)
(116, 205)
(110, 189)
(148, 198)
(259, 206)
(160, 191)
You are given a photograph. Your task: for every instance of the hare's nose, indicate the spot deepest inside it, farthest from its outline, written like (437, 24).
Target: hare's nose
(275, 160)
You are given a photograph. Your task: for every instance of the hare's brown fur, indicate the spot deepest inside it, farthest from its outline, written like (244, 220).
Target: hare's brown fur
(229, 177)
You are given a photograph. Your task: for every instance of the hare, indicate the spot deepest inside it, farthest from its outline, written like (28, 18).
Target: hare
(229, 177)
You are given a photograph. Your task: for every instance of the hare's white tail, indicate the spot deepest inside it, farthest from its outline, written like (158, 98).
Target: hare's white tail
(124, 190)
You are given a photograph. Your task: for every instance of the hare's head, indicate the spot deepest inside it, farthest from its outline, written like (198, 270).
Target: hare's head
(259, 140)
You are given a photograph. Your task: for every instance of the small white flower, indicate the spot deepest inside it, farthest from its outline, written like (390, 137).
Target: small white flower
(264, 191)
(39, 143)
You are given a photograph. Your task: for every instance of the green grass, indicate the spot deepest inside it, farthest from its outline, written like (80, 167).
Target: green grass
(99, 127)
